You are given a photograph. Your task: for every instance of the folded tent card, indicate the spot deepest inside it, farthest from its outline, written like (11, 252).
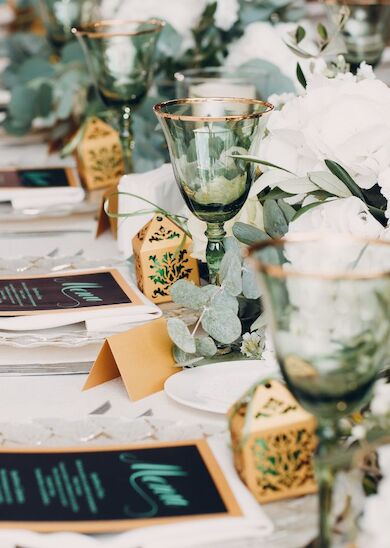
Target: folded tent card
(112, 488)
(103, 299)
(40, 187)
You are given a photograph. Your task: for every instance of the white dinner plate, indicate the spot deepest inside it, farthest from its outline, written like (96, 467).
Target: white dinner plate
(215, 387)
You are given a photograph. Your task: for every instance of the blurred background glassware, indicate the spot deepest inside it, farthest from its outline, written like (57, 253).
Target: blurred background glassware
(221, 82)
(328, 303)
(120, 58)
(366, 31)
(203, 134)
(60, 16)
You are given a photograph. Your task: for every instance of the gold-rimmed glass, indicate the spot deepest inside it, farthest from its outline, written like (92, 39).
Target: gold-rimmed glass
(204, 135)
(328, 303)
(120, 58)
(60, 16)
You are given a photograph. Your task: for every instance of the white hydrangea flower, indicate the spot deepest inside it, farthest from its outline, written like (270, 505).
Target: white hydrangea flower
(227, 13)
(380, 404)
(328, 122)
(181, 14)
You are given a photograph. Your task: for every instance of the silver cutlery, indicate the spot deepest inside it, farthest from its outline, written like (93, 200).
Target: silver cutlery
(36, 260)
(34, 369)
(65, 266)
(46, 233)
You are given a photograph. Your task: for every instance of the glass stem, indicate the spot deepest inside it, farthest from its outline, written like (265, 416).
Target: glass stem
(325, 473)
(215, 249)
(126, 139)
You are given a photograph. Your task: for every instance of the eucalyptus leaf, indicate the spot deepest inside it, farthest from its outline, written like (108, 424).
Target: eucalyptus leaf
(184, 359)
(297, 185)
(300, 34)
(22, 104)
(223, 298)
(230, 273)
(275, 223)
(180, 335)
(72, 52)
(301, 76)
(248, 234)
(44, 100)
(323, 33)
(330, 183)
(205, 346)
(345, 177)
(306, 208)
(259, 323)
(274, 194)
(188, 294)
(256, 160)
(250, 284)
(221, 324)
(298, 51)
(35, 67)
(288, 210)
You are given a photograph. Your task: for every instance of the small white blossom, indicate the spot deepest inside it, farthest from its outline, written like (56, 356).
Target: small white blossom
(359, 432)
(279, 100)
(365, 72)
(380, 404)
(253, 345)
(227, 13)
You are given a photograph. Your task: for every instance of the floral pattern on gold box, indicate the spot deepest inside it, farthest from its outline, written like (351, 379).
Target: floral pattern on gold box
(162, 256)
(99, 155)
(273, 440)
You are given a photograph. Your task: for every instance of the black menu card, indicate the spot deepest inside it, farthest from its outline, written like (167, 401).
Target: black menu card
(23, 296)
(111, 489)
(30, 178)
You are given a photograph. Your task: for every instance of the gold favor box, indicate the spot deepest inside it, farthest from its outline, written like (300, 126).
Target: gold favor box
(99, 155)
(273, 440)
(162, 256)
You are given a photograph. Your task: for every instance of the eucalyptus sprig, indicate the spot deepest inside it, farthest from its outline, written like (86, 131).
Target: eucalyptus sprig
(293, 196)
(218, 308)
(326, 45)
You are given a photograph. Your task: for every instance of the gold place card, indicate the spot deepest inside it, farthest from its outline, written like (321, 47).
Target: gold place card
(142, 356)
(97, 490)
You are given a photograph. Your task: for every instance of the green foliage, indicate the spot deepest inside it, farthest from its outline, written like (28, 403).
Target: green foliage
(62, 94)
(300, 76)
(275, 222)
(218, 308)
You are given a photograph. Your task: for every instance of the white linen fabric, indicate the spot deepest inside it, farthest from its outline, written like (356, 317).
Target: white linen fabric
(21, 198)
(157, 186)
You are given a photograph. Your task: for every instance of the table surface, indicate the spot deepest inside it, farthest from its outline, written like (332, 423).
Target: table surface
(22, 398)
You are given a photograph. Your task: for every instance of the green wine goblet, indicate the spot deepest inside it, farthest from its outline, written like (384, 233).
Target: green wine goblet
(328, 302)
(203, 137)
(120, 58)
(60, 16)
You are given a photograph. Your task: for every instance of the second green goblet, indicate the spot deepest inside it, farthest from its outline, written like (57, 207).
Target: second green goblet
(120, 59)
(203, 136)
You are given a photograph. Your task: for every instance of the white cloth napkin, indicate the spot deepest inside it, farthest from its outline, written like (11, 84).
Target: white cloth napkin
(253, 526)
(101, 319)
(158, 186)
(41, 198)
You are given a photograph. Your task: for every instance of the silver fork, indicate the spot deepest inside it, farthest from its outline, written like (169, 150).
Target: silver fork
(35, 261)
(64, 266)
